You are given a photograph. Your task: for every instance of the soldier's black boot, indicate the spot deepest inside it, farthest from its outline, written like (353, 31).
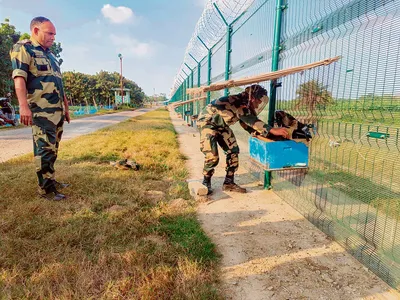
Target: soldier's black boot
(61, 185)
(207, 183)
(51, 193)
(229, 185)
(54, 196)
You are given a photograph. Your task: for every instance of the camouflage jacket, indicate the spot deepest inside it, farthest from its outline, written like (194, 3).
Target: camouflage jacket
(41, 71)
(226, 111)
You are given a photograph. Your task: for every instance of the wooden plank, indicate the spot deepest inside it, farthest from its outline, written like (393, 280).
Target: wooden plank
(260, 78)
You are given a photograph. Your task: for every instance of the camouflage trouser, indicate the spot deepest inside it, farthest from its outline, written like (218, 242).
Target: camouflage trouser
(210, 138)
(47, 132)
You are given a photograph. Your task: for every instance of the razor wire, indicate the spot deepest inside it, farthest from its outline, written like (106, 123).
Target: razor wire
(208, 31)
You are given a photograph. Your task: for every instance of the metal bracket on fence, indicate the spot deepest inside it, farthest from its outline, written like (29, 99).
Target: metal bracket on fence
(316, 29)
(378, 135)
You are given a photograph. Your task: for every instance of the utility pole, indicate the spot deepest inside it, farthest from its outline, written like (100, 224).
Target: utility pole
(122, 83)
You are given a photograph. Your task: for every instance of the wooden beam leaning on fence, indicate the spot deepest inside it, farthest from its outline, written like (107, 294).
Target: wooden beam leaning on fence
(176, 104)
(258, 78)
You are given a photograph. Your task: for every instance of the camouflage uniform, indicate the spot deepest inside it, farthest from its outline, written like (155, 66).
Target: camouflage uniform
(41, 71)
(214, 122)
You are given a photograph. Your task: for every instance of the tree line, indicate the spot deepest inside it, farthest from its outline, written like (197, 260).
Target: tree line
(84, 89)
(80, 88)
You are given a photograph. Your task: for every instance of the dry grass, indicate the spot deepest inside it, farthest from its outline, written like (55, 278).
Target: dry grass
(109, 240)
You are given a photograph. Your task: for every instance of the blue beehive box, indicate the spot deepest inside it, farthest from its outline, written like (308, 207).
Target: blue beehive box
(279, 154)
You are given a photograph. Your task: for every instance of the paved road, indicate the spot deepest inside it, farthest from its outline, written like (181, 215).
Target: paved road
(15, 142)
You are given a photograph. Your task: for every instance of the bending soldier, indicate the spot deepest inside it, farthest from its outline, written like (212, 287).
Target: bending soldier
(214, 122)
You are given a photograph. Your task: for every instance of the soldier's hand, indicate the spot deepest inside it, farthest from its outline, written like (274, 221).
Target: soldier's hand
(281, 131)
(25, 115)
(67, 117)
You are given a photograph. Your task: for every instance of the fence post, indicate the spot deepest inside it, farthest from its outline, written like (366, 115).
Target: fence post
(276, 48)
(183, 96)
(191, 104)
(228, 47)
(198, 74)
(186, 98)
(198, 70)
(198, 80)
(208, 67)
(209, 55)
(190, 84)
(228, 55)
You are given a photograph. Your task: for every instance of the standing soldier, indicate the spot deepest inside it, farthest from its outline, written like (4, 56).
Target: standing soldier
(214, 122)
(42, 102)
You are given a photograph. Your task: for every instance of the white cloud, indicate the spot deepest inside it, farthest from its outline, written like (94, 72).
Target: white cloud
(131, 47)
(118, 15)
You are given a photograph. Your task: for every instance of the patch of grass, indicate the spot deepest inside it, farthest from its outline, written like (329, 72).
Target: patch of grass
(109, 239)
(185, 232)
(361, 189)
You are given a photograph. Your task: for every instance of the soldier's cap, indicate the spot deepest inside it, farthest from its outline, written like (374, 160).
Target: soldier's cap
(257, 91)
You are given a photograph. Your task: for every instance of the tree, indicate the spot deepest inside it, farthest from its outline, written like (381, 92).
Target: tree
(75, 87)
(312, 94)
(8, 37)
(90, 89)
(97, 88)
(56, 49)
(137, 94)
(105, 81)
(24, 36)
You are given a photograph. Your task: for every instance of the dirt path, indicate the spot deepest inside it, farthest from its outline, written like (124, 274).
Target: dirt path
(15, 142)
(269, 250)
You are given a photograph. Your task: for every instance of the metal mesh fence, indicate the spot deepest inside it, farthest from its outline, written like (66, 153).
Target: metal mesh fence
(351, 190)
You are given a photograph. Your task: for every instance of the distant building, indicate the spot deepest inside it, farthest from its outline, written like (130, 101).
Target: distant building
(127, 96)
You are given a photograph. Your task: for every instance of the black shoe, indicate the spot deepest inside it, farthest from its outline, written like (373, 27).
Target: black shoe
(54, 196)
(209, 190)
(233, 187)
(207, 182)
(60, 185)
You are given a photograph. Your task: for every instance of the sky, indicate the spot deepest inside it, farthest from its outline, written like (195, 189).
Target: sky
(151, 35)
